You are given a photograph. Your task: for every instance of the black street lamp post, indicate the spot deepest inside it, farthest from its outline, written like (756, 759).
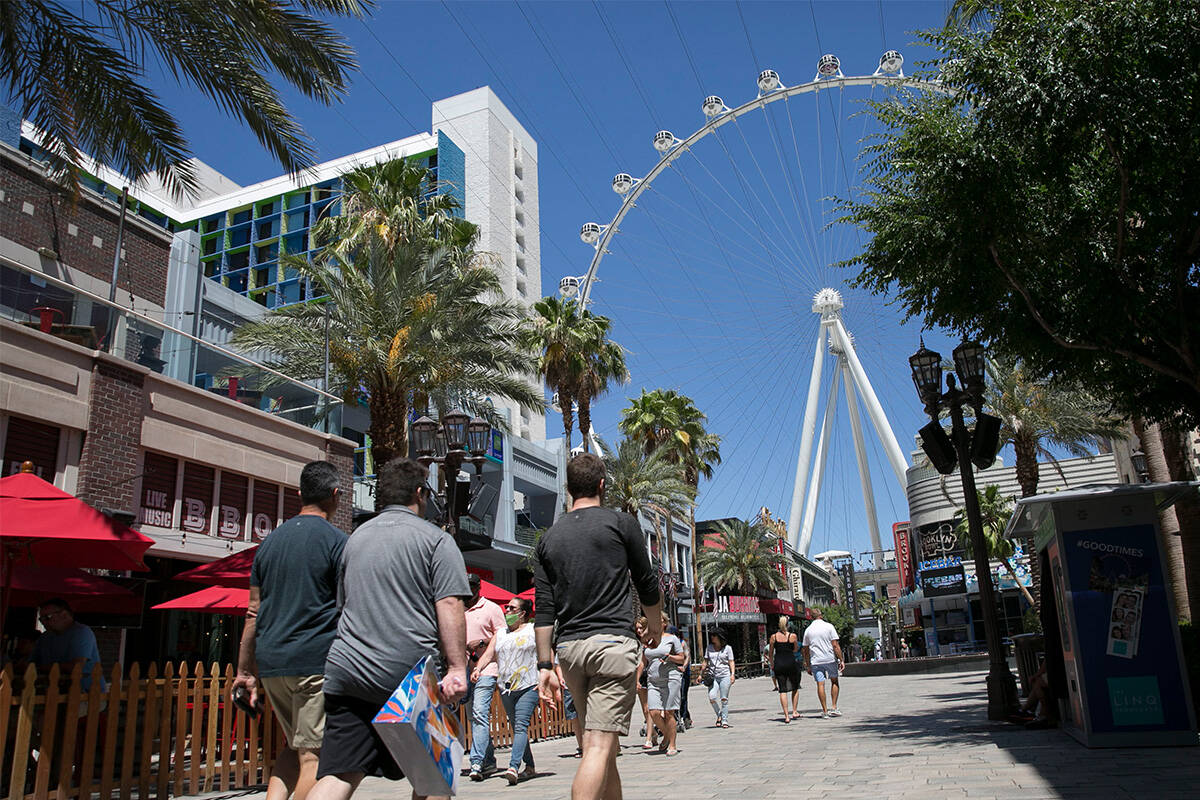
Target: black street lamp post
(457, 439)
(976, 447)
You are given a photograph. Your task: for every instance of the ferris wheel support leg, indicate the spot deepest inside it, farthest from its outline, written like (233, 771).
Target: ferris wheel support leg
(808, 431)
(814, 484)
(882, 427)
(864, 468)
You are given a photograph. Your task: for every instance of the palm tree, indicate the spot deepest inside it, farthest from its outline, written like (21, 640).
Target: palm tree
(741, 557)
(411, 323)
(638, 483)
(80, 79)
(995, 511)
(1036, 414)
(578, 360)
(604, 363)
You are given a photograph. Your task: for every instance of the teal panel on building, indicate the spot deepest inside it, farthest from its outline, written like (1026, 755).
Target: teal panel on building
(452, 171)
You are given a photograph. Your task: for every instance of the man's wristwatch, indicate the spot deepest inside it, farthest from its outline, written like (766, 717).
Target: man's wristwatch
(546, 665)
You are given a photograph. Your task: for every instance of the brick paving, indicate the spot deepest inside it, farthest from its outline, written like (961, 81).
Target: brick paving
(913, 736)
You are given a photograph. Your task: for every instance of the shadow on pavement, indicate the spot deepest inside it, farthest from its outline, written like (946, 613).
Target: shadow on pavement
(959, 720)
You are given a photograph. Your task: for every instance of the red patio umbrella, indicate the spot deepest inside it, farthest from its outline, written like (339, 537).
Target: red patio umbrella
(213, 600)
(493, 592)
(528, 594)
(28, 586)
(41, 524)
(231, 571)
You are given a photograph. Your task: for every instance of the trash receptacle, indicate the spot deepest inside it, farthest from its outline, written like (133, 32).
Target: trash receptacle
(1028, 649)
(1126, 684)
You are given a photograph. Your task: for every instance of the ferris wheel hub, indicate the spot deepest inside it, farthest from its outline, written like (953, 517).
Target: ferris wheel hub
(828, 303)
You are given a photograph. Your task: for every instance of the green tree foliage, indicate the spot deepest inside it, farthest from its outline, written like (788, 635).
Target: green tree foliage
(1049, 203)
(639, 483)
(995, 510)
(76, 71)
(740, 558)
(1038, 413)
(665, 420)
(413, 322)
(577, 359)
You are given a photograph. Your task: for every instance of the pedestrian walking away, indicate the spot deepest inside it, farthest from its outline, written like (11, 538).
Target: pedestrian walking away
(823, 660)
(584, 566)
(661, 665)
(685, 670)
(484, 620)
(720, 668)
(782, 647)
(403, 583)
(514, 649)
(291, 619)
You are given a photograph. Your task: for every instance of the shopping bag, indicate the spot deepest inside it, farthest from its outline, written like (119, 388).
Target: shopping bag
(422, 733)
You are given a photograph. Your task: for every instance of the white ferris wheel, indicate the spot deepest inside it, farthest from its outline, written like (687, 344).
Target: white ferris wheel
(811, 248)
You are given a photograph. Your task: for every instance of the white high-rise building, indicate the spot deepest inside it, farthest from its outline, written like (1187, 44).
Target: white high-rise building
(502, 199)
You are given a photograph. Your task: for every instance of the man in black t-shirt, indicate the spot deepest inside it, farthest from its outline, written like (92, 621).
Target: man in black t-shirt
(584, 564)
(290, 624)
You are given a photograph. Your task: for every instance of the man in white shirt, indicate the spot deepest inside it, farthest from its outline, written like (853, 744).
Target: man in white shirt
(823, 660)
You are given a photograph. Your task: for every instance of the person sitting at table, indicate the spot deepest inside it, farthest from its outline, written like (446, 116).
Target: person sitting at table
(66, 642)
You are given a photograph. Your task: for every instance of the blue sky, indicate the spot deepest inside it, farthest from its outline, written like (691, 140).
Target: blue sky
(710, 281)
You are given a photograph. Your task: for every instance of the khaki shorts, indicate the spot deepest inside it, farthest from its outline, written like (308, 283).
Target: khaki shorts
(601, 672)
(299, 706)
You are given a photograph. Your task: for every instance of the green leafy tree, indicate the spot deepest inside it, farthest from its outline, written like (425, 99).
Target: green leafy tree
(995, 511)
(866, 645)
(77, 72)
(576, 358)
(412, 323)
(1048, 203)
(741, 558)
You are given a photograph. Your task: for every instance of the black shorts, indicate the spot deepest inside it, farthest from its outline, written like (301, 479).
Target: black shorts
(351, 744)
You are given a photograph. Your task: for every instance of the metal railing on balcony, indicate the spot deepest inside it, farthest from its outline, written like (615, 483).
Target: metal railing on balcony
(53, 306)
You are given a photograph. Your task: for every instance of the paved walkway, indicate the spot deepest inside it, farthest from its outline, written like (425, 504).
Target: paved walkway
(915, 736)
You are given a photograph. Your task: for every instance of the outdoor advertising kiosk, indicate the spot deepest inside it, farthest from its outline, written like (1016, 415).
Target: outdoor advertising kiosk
(1126, 681)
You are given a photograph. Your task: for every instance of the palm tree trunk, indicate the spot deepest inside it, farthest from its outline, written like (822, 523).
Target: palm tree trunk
(1028, 597)
(565, 402)
(585, 422)
(1187, 513)
(389, 426)
(1171, 542)
(1025, 450)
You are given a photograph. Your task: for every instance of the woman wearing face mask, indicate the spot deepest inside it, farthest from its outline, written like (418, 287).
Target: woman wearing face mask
(515, 651)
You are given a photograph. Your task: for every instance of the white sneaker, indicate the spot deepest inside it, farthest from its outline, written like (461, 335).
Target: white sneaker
(824, 715)
(835, 713)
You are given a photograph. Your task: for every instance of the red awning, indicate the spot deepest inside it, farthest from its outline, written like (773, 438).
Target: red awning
(528, 594)
(493, 592)
(231, 571)
(773, 605)
(85, 592)
(44, 526)
(213, 600)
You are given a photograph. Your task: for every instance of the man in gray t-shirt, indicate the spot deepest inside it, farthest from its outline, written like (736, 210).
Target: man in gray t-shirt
(401, 589)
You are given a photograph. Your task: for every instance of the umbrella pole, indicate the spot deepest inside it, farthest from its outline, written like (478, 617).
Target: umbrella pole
(6, 588)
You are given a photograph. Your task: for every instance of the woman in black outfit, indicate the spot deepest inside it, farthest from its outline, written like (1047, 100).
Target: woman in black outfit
(782, 653)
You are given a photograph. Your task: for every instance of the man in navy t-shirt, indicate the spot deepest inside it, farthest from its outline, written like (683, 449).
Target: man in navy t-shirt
(290, 622)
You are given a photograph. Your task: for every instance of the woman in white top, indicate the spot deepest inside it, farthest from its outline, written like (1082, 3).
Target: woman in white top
(515, 651)
(718, 664)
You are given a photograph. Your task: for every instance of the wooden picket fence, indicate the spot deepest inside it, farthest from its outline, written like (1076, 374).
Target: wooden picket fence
(173, 732)
(547, 723)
